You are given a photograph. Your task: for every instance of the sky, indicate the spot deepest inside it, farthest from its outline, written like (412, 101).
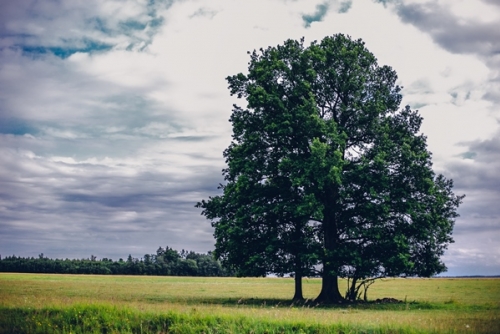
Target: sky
(114, 113)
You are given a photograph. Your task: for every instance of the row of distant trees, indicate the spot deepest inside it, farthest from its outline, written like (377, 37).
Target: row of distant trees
(166, 261)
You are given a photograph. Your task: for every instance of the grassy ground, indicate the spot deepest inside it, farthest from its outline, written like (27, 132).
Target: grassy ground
(77, 303)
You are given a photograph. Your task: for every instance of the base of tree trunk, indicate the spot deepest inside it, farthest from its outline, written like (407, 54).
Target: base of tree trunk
(298, 297)
(330, 292)
(329, 298)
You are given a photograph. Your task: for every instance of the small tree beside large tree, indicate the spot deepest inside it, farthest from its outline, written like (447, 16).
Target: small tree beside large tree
(325, 169)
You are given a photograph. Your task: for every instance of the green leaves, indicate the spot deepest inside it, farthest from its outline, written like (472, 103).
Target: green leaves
(324, 166)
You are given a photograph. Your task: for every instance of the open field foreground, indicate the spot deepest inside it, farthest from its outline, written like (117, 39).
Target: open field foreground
(32, 303)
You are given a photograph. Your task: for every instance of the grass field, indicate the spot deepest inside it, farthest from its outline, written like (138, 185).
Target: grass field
(31, 303)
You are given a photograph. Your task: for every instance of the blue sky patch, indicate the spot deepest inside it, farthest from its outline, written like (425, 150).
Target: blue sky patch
(132, 25)
(17, 127)
(65, 52)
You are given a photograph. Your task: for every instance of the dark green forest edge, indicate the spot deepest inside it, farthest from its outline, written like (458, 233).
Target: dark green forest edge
(166, 262)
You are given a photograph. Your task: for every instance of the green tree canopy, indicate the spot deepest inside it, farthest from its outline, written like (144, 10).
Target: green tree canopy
(324, 167)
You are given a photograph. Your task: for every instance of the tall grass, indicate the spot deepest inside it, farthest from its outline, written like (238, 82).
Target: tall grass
(106, 319)
(131, 304)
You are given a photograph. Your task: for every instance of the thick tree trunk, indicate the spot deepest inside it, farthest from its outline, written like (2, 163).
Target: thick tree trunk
(330, 287)
(298, 288)
(329, 290)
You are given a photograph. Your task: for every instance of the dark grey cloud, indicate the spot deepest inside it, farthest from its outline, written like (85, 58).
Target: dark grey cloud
(458, 34)
(492, 2)
(93, 164)
(317, 16)
(110, 209)
(477, 231)
(64, 28)
(73, 113)
(37, 94)
(455, 34)
(345, 6)
(480, 166)
(323, 8)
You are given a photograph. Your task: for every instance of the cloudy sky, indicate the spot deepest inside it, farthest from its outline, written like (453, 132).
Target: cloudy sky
(114, 114)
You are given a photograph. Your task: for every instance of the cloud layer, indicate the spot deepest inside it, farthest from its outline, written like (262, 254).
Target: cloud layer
(113, 114)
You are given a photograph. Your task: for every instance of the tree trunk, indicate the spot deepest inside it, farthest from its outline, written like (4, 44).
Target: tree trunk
(330, 287)
(352, 293)
(298, 288)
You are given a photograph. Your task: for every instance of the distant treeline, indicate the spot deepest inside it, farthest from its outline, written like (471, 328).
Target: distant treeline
(166, 261)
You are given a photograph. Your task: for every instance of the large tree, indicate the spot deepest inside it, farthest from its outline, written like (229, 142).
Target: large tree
(324, 165)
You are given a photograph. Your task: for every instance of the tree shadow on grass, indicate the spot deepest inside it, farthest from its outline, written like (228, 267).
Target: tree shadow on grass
(380, 304)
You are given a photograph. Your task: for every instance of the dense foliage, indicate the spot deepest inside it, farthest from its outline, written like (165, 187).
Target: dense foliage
(165, 262)
(325, 169)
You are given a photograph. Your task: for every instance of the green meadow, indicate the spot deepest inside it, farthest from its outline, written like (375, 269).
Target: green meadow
(42, 303)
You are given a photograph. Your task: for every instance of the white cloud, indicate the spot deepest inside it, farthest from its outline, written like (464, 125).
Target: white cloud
(117, 143)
